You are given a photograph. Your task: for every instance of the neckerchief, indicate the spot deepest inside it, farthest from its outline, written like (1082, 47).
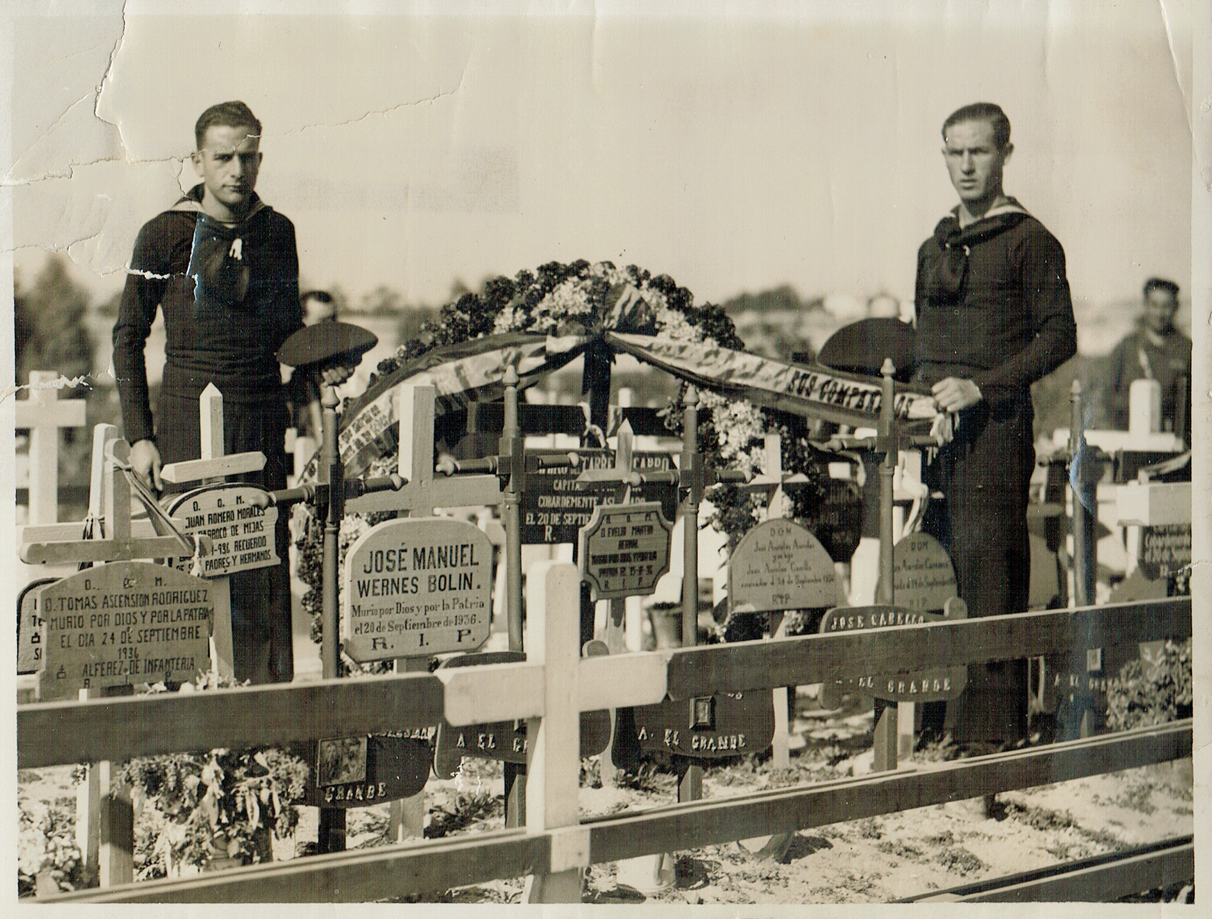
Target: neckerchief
(946, 277)
(216, 259)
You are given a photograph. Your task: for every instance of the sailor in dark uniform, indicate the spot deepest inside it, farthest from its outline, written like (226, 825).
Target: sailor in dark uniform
(993, 316)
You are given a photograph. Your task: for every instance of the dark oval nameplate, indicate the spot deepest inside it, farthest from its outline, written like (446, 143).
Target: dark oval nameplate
(706, 727)
(361, 771)
(935, 684)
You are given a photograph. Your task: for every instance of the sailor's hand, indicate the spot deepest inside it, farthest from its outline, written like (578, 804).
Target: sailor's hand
(954, 394)
(336, 374)
(145, 461)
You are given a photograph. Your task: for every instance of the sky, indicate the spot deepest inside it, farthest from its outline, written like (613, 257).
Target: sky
(790, 143)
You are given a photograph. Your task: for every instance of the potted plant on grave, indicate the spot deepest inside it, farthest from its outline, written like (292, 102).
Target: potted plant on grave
(210, 810)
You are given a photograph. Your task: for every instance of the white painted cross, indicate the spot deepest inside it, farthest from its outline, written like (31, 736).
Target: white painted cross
(420, 495)
(44, 413)
(60, 544)
(422, 492)
(214, 464)
(100, 805)
(773, 481)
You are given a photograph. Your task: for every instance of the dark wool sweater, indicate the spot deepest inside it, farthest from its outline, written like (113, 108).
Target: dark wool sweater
(247, 280)
(998, 314)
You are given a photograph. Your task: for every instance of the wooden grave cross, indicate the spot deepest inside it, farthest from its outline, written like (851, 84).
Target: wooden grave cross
(44, 413)
(105, 819)
(59, 535)
(212, 464)
(774, 482)
(421, 494)
(121, 541)
(422, 491)
(623, 471)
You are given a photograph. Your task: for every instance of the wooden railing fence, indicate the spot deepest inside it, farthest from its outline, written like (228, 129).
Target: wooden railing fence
(549, 690)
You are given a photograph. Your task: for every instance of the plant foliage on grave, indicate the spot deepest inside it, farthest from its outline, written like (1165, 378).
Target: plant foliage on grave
(581, 299)
(221, 805)
(1152, 690)
(46, 846)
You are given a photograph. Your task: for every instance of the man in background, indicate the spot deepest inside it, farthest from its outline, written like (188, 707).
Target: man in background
(994, 315)
(1156, 350)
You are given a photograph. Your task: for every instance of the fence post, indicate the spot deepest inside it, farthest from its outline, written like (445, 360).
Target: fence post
(885, 731)
(1084, 562)
(690, 774)
(553, 758)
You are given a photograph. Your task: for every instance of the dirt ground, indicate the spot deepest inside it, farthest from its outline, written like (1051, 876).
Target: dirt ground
(866, 861)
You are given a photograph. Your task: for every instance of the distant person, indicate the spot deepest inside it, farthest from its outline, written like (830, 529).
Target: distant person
(994, 315)
(1156, 350)
(318, 306)
(223, 267)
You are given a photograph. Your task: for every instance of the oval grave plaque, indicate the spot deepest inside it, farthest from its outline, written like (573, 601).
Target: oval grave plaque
(124, 623)
(417, 587)
(361, 771)
(31, 630)
(241, 531)
(922, 576)
(504, 740)
(779, 565)
(931, 685)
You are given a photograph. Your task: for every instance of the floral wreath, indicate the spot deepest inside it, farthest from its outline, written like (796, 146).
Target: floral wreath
(559, 300)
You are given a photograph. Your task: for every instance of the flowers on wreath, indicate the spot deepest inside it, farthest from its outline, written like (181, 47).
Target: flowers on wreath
(580, 299)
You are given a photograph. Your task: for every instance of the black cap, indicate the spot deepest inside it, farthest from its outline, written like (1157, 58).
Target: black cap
(862, 346)
(325, 342)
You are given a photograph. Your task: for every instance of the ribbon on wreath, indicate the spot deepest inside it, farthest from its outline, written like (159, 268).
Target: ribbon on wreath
(474, 371)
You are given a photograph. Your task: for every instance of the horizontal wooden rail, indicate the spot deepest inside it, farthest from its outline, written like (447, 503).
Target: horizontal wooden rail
(1101, 878)
(380, 873)
(711, 822)
(814, 658)
(116, 729)
(357, 876)
(492, 692)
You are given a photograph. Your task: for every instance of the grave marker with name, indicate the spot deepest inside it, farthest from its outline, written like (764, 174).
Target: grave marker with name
(777, 566)
(367, 770)
(1165, 550)
(922, 576)
(31, 628)
(932, 685)
(240, 528)
(417, 587)
(707, 727)
(1083, 676)
(504, 740)
(124, 623)
(555, 506)
(624, 549)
